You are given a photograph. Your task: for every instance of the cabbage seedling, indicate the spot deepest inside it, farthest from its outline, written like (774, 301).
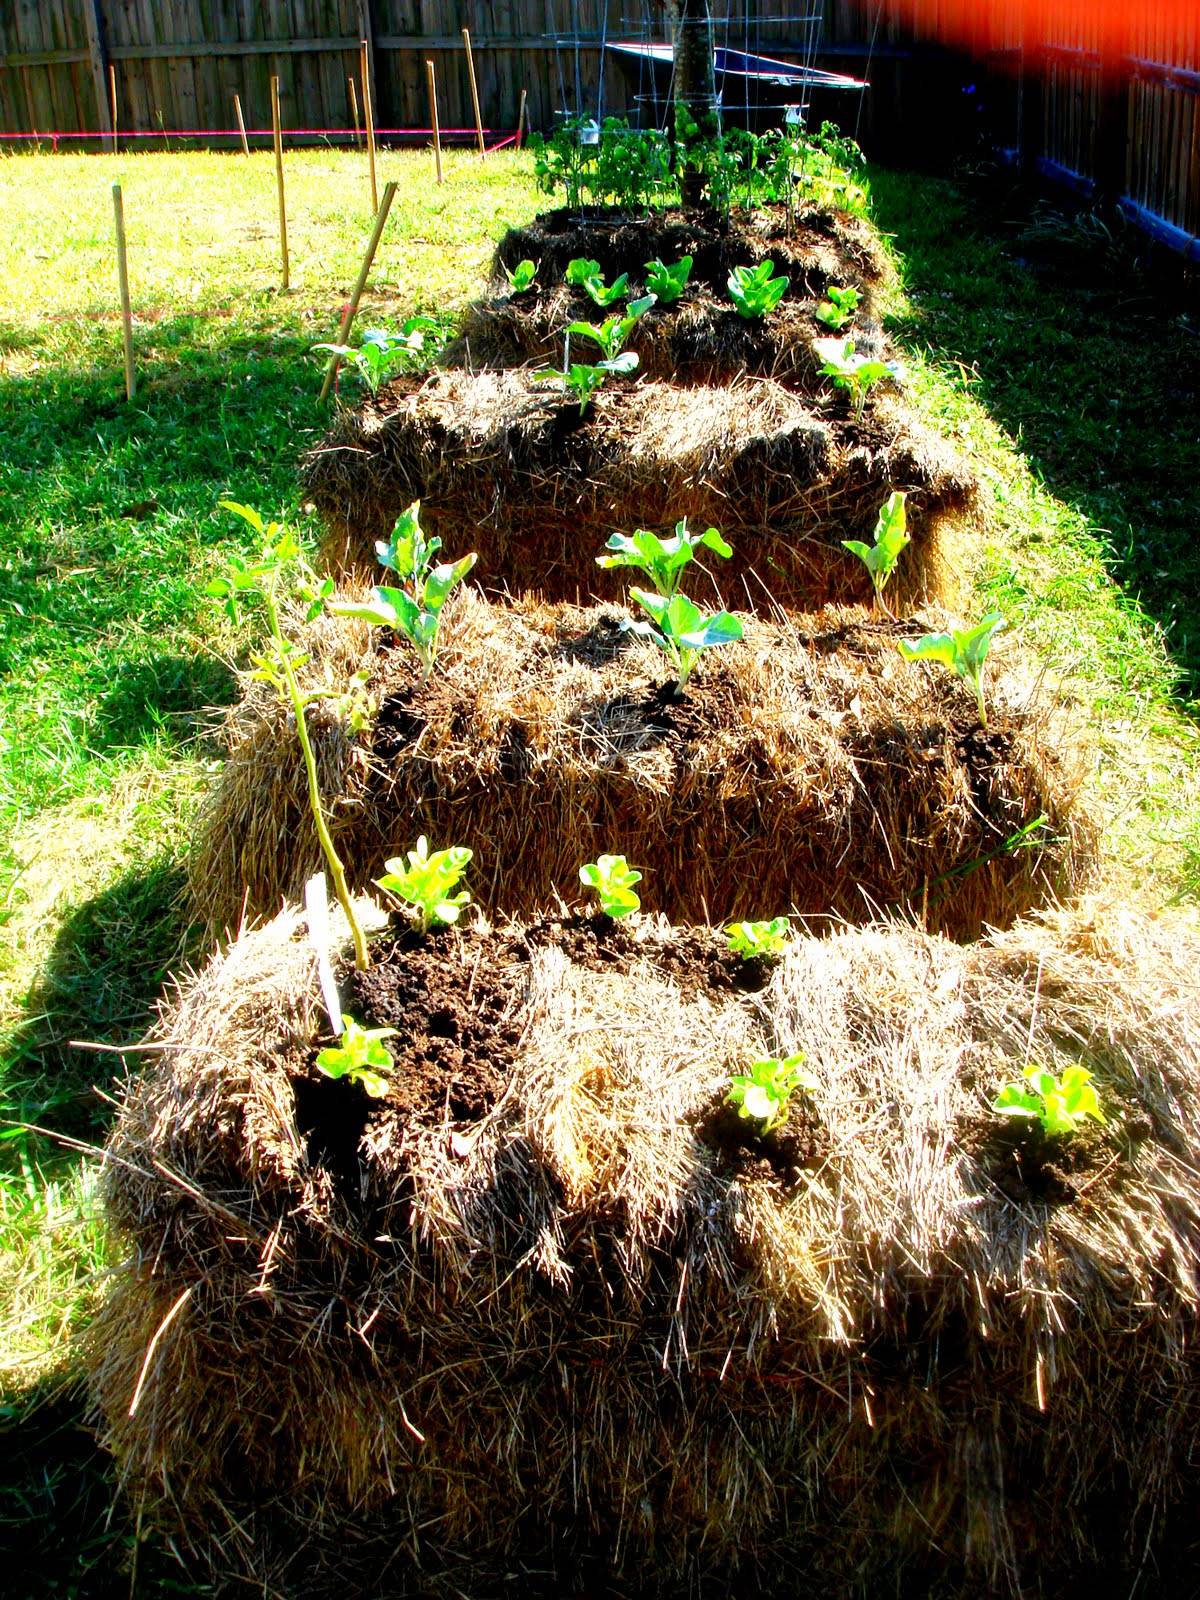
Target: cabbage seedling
(382, 353)
(613, 331)
(586, 275)
(613, 879)
(1060, 1106)
(667, 283)
(582, 380)
(765, 1092)
(426, 882)
(891, 536)
(415, 610)
(754, 291)
(282, 562)
(681, 630)
(522, 276)
(362, 1057)
(857, 374)
(836, 311)
(662, 560)
(963, 650)
(758, 940)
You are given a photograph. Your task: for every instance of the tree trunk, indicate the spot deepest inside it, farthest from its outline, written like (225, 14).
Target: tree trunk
(697, 115)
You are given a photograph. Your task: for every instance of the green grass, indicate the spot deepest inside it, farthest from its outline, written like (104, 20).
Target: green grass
(110, 657)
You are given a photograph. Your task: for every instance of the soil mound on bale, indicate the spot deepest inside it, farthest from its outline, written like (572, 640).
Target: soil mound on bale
(700, 338)
(506, 468)
(571, 1335)
(807, 768)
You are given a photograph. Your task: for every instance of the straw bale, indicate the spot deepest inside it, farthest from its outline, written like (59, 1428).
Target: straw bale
(587, 1345)
(506, 467)
(808, 768)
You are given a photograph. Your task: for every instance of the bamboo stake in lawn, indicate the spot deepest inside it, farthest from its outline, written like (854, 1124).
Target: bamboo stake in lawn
(354, 112)
(112, 95)
(521, 116)
(466, 33)
(278, 132)
(389, 194)
(237, 106)
(437, 138)
(369, 119)
(123, 279)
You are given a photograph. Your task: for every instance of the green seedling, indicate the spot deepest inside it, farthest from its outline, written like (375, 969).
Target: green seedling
(891, 536)
(522, 275)
(681, 630)
(279, 572)
(586, 275)
(758, 940)
(754, 291)
(962, 650)
(765, 1092)
(613, 879)
(581, 380)
(382, 354)
(838, 308)
(362, 1057)
(662, 560)
(667, 283)
(857, 374)
(414, 611)
(1060, 1106)
(426, 883)
(613, 331)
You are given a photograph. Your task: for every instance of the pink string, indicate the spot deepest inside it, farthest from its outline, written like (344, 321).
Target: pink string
(265, 133)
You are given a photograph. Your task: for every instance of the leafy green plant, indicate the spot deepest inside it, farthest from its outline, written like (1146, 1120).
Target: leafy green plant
(580, 269)
(625, 166)
(1059, 1105)
(613, 331)
(857, 374)
(613, 879)
(281, 571)
(582, 379)
(361, 1056)
(962, 650)
(522, 275)
(382, 354)
(681, 630)
(891, 536)
(667, 283)
(758, 940)
(662, 560)
(586, 275)
(838, 308)
(765, 1092)
(426, 883)
(754, 291)
(414, 611)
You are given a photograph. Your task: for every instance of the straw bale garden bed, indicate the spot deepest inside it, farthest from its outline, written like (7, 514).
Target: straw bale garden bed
(535, 1302)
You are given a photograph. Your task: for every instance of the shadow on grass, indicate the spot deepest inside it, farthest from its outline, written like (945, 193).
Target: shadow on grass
(152, 694)
(1077, 356)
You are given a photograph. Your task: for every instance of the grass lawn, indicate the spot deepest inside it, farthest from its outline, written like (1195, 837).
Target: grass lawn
(1085, 437)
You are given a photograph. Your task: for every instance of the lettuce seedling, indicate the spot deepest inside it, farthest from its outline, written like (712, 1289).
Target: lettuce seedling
(857, 374)
(963, 650)
(765, 1092)
(425, 883)
(415, 610)
(382, 353)
(586, 275)
(280, 564)
(754, 291)
(681, 630)
(613, 331)
(662, 560)
(667, 283)
(758, 940)
(836, 311)
(362, 1057)
(891, 536)
(1060, 1106)
(612, 878)
(522, 276)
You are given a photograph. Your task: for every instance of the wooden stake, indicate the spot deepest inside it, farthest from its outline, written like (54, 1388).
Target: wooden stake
(354, 112)
(123, 279)
(277, 128)
(369, 119)
(112, 100)
(466, 33)
(381, 217)
(521, 117)
(237, 106)
(437, 138)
